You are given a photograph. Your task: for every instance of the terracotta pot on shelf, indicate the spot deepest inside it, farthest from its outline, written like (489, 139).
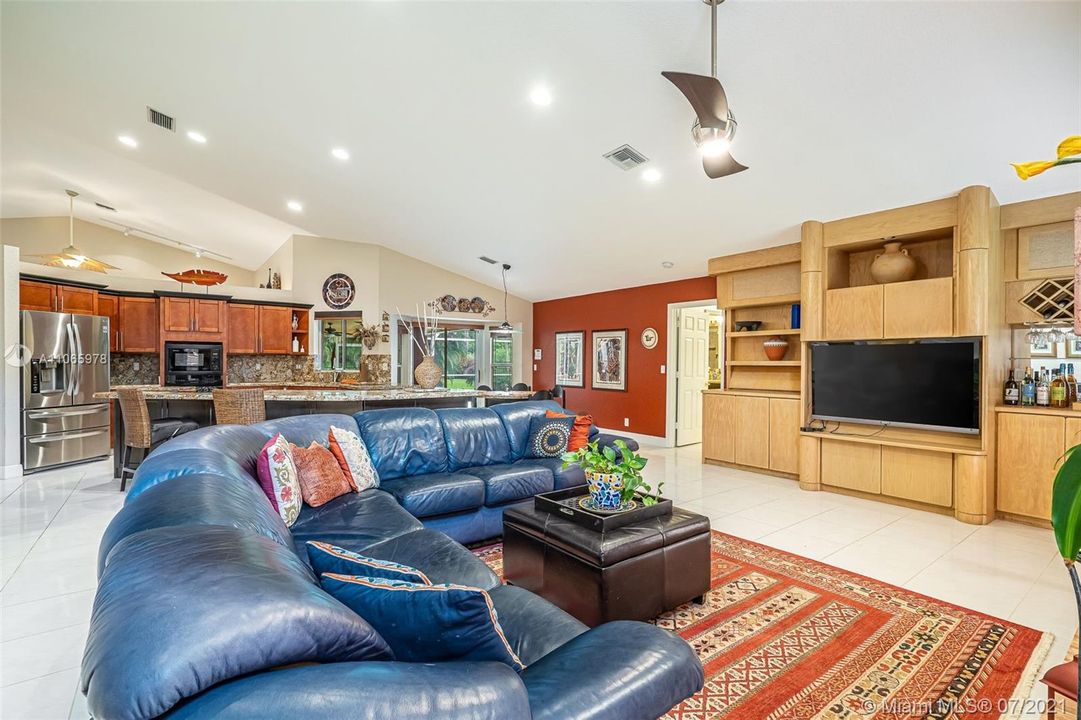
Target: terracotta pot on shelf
(893, 264)
(428, 373)
(776, 348)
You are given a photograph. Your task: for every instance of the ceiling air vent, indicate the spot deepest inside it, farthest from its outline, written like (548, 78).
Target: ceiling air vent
(103, 206)
(487, 259)
(626, 157)
(160, 119)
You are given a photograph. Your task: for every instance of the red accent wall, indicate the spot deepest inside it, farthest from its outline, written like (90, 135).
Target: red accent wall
(634, 309)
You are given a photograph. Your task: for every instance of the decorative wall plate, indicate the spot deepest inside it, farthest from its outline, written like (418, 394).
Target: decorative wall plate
(649, 338)
(339, 291)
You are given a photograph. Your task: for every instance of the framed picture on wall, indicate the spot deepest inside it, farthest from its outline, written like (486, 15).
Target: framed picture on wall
(1073, 348)
(569, 355)
(1042, 348)
(610, 360)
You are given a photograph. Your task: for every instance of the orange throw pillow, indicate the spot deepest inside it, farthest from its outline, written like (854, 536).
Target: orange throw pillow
(321, 477)
(579, 433)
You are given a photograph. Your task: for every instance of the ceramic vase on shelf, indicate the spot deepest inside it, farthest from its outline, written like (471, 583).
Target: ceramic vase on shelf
(893, 264)
(605, 490)
(776, 348)
(428, 373)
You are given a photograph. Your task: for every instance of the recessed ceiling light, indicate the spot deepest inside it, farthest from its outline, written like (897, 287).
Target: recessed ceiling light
(541, 96)
(294, 206)
(340, 153)
(651, 175)
(668, 264)
(197, 136)
(128, 140)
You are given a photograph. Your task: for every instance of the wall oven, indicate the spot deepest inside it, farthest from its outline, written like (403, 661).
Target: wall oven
(193, 364)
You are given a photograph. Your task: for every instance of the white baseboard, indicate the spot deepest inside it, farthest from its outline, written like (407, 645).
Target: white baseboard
(11, 471)
(642, 439)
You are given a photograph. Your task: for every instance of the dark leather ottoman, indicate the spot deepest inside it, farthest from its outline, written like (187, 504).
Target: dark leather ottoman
(635, 572)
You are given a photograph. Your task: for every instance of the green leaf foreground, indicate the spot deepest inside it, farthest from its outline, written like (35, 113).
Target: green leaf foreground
(1066, 505)
(619, 460)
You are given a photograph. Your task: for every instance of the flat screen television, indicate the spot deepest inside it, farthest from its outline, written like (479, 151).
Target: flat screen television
(930, 384)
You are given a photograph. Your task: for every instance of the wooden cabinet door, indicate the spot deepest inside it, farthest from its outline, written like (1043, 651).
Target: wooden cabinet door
(784, 422)
(718, 428)
(76, 300)
(1029, 447)
(917, 309)
(852, 465)
(209, 316)
(241, 336)
(275, 330)
(854, 313)
(109, 306)
(138, 325)
(1073, 433)
(176, 315)
(750, 425)
(920, 475)
(34, 295)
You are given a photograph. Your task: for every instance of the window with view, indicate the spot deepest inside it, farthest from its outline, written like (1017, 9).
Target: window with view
(341, 342)
(456, 353)
(502, 361)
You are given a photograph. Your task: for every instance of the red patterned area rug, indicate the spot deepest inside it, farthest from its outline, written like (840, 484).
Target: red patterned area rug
(786, 638)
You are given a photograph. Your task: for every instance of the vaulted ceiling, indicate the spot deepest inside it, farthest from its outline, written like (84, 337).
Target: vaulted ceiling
(843, 108)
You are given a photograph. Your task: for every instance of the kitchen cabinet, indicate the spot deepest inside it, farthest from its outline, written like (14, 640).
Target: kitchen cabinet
(109, 306)
(192, 315)
(1029, 447)
(53, 297)
(34, 295)
(262, 329)
(137, 327)
(77, 300)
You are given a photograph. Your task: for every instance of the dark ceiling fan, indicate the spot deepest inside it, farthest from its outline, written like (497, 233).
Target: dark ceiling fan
(716, 126)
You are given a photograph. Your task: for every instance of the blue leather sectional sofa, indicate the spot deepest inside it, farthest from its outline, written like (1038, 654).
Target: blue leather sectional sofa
(207, 608)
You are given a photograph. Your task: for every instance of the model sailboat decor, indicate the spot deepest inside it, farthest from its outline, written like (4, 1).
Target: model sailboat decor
(72, 257)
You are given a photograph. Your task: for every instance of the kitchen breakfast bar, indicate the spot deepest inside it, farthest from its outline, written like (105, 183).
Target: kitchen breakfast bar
(298, 399)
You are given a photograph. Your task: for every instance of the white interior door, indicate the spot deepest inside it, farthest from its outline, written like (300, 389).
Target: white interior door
(692, 373)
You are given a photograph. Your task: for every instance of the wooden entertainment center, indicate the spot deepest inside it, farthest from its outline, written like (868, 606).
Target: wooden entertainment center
(966, 252)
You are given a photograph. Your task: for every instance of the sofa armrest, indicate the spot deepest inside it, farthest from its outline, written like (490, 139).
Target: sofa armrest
(604, 439)
(366, 691)
(616, 671)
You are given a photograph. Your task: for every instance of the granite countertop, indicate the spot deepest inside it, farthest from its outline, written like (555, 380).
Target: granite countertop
(320, 393)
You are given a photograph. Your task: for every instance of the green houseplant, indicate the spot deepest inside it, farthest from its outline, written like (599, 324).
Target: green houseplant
(614, 474)
(1066, 519)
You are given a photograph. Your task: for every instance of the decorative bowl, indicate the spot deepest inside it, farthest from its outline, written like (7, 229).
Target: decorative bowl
(748, 325)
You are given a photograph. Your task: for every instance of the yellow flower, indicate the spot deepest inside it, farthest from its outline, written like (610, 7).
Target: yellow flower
(1027, 170)
(1069, 146)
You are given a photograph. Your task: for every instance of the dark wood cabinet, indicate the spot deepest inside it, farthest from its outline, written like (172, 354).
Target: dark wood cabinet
(176, 315)
(208, 316)
(187, 315)
(77, 300)
(263, 329)
(54, 297)
(109, 306)
(138, 325)
(34, 295)
(243, 329)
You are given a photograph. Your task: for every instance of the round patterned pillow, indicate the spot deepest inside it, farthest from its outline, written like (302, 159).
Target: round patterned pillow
(548, 437)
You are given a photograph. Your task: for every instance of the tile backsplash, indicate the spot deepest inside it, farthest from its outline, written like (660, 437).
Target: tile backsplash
(133, 369)
(375, 368)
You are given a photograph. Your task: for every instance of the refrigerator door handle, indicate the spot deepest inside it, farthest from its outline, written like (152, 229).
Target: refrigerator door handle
(70, 370)
(41, 439)
(45, 414)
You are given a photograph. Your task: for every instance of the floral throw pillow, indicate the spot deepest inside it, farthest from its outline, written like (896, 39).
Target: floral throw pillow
(278, 478)
(353, 457)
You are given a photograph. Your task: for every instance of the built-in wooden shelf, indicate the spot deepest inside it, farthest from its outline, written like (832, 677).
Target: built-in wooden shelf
(1030, 410)
(764, 363)
(761, 333)
(783, 394)
(975, 447)
(761, 302)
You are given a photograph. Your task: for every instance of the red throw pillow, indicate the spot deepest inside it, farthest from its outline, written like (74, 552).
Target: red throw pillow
(579, 433)
(321, 477)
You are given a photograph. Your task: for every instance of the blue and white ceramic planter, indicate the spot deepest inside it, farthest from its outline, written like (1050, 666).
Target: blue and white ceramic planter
(606, 490)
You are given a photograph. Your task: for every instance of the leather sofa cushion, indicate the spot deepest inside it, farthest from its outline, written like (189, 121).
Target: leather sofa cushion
(353, 521)
(518, 481)
(474, 437)
(573, 475)
(427, 623)
(180, 609)
(303, 429)
(533, 626)
(196, 500)
(609, 439)
(403, 441)
(162, 466)
(240, 443)
(436, 493)
(437, 556)
(516, 417)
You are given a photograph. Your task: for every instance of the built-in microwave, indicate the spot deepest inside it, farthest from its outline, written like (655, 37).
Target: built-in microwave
(193, 364)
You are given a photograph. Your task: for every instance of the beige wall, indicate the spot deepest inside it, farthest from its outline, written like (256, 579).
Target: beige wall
(280, 262)
(137, 258)
(9, 373)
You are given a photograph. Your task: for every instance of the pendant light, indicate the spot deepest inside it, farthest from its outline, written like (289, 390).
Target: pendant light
(72, 257)
(505, 328)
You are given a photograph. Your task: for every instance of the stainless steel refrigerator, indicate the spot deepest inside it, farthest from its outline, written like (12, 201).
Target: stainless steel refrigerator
(68, 355)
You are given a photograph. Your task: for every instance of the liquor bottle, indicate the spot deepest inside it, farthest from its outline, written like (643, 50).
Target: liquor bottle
(1043, 390)
(1059, 394)
(1011, 391)
(1071, 379)
(1028, 389)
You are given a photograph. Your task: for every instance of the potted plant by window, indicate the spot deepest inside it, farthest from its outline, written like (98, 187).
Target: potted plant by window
(1066, 519)
(614, 476)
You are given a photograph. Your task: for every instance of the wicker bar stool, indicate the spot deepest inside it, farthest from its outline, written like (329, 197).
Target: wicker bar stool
(141, 432)
(239, 407)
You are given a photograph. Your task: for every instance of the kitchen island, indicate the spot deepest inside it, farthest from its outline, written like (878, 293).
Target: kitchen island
(284, 400)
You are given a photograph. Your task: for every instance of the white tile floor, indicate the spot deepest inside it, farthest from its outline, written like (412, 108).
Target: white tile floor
(50, 525)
